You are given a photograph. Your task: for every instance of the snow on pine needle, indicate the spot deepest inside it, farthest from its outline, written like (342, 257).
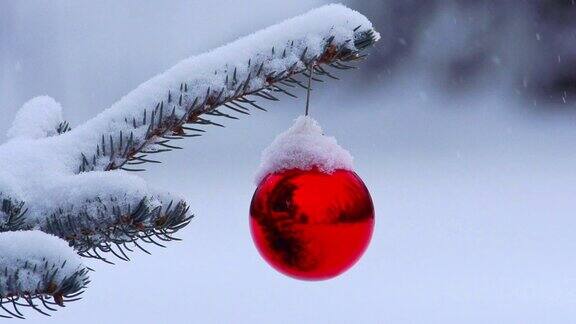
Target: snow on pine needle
(81, 185)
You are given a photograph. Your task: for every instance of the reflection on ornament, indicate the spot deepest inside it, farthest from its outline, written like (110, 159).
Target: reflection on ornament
(310, 224)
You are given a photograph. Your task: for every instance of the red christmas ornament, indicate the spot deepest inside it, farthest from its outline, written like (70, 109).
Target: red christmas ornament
(310, 221)
(312, 225)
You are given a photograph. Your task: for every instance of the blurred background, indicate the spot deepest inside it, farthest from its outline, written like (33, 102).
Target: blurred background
(462, 124)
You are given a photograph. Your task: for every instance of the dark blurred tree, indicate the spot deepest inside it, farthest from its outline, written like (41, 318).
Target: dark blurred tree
(531, 44)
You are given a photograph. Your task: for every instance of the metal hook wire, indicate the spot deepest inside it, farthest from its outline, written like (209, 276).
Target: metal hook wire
(311, 69)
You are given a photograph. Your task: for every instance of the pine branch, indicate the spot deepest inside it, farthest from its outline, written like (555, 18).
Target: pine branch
(34, 275)
(227, 93)
(63, 127)
(123, 230)
(11, 215)
(107, 225)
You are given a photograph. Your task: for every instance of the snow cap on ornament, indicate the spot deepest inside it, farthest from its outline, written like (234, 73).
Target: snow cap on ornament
(305, 147)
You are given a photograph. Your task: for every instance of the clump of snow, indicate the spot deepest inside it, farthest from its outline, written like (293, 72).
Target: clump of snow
(39, 117)
(304, 146)
(27, 252)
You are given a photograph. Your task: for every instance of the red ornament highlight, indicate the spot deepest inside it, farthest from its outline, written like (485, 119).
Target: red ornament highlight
(312, 225)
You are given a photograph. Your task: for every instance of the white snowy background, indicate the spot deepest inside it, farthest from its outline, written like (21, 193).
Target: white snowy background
(473, 191)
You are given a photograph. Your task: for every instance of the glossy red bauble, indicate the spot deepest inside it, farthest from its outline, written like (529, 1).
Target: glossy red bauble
(312, 225)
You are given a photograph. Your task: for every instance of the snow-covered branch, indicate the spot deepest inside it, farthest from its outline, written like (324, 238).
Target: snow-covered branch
(99, 212)
(39, 271)
(149, 219)
(221, 83)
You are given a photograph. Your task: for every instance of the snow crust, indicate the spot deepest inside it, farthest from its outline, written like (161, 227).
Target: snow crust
(39, 117)
(303, 146)
(35, 248)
